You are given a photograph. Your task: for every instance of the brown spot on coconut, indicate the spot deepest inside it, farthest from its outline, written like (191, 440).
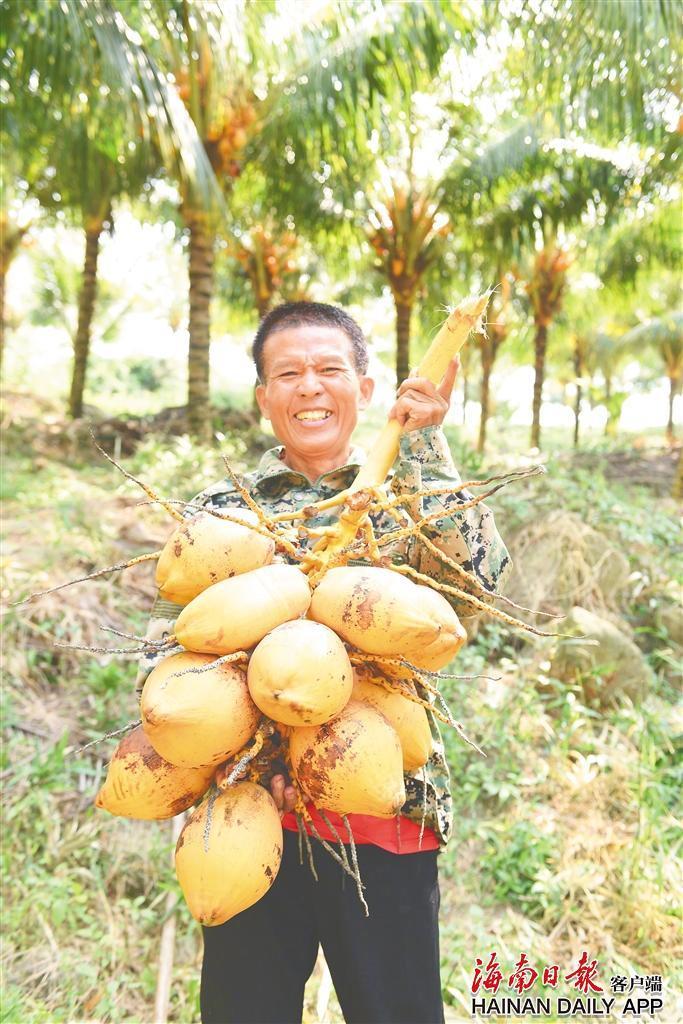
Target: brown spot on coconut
(383, 613)
(141, 784)
(352, 764)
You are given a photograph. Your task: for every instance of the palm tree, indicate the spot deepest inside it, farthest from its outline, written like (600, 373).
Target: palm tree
(99, 123)
(95, 221)
(489, 342)
(545, 290)
(406, 232)
(13, 229)
(523, 218)
(86, 184)
(664, 335)
(56, 53)
(270, 260)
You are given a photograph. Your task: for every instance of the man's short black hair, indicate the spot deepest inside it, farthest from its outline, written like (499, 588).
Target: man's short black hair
(298, 314)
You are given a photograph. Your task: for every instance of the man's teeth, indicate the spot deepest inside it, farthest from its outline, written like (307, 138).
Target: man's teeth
(313, 414)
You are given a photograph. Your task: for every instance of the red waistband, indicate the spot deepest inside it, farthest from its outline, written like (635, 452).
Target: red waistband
(397, 835)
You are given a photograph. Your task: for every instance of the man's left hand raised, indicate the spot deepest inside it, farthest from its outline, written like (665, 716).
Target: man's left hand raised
(421, 403)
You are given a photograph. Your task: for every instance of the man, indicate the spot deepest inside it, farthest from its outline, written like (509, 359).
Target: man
(311, 361)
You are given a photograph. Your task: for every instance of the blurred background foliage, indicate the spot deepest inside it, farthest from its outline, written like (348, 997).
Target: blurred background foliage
(171, 169)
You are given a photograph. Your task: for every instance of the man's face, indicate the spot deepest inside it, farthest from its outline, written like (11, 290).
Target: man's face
(311, 392)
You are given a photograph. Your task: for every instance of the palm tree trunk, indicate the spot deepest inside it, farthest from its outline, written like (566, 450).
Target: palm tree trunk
(403, 312)
(3, 275)
(465, 391)
(201, 289)
(578, 370)
(86, 311)
(486, 367)
(9, 243)
(673, 387)
(540, 346)
(577, 414)
(262, 307)
(609, 422)
(677, 489)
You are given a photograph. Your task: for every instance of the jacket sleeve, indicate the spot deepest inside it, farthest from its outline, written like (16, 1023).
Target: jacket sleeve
(469, 538)
(160, 625)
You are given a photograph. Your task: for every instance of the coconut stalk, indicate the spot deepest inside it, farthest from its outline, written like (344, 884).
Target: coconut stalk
(467, 316)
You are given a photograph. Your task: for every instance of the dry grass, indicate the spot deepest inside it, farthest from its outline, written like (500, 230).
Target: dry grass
(561, 561)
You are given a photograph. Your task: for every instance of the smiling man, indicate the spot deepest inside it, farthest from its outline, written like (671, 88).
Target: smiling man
(311, 361)
(312, 384)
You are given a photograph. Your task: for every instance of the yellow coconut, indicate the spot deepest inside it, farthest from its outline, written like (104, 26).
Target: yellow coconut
(142, 784)
(384, 613)
(300, 673)
(199, 718)
(229, 852)
(205, 550)
(408, 718)
(352, 764)
(235, 614)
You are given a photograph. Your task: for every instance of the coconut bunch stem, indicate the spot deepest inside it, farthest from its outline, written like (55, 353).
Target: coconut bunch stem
(244, 757)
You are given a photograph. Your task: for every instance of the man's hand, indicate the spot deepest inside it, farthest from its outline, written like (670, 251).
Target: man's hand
(420, 403)
(283, 793)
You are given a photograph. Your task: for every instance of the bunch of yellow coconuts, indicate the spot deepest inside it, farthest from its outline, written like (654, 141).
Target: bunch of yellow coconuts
(350, 733)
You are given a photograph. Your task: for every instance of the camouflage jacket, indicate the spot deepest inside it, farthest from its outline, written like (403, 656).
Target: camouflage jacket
(469, 537)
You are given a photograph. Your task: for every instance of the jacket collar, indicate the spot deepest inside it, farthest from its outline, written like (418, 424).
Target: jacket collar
(273, 475)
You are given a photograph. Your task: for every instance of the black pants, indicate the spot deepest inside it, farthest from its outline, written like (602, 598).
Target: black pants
(385, 967)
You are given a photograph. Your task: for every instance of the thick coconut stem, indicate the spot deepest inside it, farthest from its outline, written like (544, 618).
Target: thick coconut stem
(264, 730)
(466, 317)
(448, 342)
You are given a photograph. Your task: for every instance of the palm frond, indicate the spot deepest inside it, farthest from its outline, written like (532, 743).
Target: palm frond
(59, 53)
(606, 66)
(665, 332)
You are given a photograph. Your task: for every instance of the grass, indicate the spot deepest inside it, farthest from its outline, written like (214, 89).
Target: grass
(566, 837)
